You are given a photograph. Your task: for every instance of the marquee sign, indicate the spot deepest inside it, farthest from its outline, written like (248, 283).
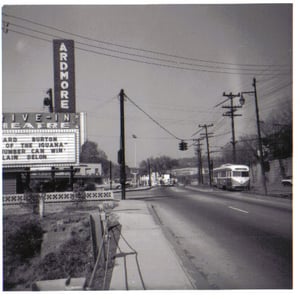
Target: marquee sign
(40, 139)
(64, 76)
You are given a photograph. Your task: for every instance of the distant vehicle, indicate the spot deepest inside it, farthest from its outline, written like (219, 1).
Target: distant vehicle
(108, 186)
(127, 185)
(288, 181)
(231, 177)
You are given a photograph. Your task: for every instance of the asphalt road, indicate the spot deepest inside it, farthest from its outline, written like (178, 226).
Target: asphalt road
(228, 240)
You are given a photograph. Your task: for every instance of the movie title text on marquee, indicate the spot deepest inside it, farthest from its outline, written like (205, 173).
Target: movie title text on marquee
(33, 139)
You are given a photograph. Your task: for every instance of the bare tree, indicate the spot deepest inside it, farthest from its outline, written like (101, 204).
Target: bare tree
(161, 164)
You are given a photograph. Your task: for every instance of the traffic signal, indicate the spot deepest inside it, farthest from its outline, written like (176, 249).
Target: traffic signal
(49, 100)
(120, 156)
(182, 146)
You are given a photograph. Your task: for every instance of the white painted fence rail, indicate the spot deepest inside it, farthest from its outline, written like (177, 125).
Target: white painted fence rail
(14, 199)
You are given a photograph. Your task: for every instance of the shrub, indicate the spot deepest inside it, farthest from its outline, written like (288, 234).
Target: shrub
(26, 241)
(74, 259)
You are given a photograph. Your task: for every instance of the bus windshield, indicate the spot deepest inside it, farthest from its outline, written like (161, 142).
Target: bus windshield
(240, 173)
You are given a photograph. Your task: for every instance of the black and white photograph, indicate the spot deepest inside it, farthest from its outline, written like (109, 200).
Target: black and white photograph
(148, 147)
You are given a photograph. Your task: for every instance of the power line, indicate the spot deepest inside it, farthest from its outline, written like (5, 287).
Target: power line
(140, 61)
(222, 134)
(178, 64)
(277, 89)
(93, 46)
(135, 60)
(138, 49)
(267, 79)
(143, 61)
(150, 117)
(180, 108)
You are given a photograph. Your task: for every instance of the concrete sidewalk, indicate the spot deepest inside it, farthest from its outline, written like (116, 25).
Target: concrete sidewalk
(145, 260)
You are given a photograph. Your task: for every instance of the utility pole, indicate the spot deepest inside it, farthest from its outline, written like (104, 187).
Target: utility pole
(71, 177)
(121, 156)
(110, 175)
(53, 177)
(208, 153)
(199, 156)
(230, 113)
(149, 172)
(261, 157)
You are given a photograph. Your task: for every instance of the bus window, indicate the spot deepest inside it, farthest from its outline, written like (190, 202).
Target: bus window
(241, 174)
(244, 174)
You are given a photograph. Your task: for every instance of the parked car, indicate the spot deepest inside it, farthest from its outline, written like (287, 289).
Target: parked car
(90, 187)
(288, 181)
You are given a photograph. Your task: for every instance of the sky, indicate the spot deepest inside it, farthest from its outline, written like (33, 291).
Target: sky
(174, 63)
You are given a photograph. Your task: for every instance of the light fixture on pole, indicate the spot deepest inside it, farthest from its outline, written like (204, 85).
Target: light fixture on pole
(135, 166)
(261, 158)
(242, 100)
(134, 137)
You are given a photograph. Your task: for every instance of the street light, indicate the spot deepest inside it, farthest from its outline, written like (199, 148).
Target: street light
(242, 100)
(135, 171)
(261, 158)
(134, 137)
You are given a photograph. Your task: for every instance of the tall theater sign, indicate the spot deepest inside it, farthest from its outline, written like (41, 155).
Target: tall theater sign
(40, 139)
(64, 75)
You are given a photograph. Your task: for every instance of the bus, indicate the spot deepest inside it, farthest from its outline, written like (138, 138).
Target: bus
(231, 177)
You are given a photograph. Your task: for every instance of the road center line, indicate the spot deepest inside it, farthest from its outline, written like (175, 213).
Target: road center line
(233, 208)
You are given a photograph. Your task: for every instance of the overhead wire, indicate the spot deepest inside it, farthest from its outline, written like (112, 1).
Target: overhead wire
(178, 108)
(141, 61)
(268, 91)
(134, 60)
(264, 81)
(271, 91)
(144, 56)
(151, 118)
(135, 48)
(178, 64)
(278, 88)
(84, 37)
